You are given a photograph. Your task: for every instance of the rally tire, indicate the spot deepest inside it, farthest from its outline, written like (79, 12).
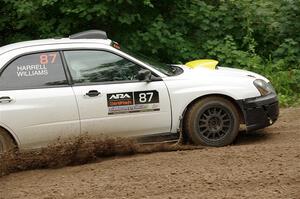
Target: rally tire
(212, 121)
(6, 142)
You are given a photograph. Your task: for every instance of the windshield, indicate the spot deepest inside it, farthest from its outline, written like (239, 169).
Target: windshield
(167, 69)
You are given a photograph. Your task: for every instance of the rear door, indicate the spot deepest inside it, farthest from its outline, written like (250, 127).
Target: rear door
(36, 102)
(110, 98)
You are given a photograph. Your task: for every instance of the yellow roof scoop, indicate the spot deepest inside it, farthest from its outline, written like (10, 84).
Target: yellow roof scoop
(206, 63)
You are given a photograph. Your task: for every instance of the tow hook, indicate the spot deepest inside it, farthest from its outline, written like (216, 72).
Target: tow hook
(270, 120)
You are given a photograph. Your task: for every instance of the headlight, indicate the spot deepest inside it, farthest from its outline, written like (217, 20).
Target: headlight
(263, 87)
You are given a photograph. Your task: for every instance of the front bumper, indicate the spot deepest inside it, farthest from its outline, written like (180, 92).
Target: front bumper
(260, 112)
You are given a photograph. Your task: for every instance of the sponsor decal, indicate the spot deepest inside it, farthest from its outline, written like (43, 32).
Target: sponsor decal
(119, 99)
(130, 102)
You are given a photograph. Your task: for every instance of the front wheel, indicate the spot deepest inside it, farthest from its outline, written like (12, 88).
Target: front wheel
(212, 121)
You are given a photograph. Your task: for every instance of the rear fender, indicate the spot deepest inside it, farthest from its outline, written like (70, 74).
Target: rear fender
(11, 133)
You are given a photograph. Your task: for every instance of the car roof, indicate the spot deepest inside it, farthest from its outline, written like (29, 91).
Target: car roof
(42, 42)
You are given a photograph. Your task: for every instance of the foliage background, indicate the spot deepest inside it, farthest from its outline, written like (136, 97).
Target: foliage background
(262, 35)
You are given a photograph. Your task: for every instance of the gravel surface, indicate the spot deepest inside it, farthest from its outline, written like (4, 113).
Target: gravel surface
(263, 164)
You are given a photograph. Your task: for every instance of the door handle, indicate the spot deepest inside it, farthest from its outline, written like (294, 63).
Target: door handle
(93, 93)
(5, 99)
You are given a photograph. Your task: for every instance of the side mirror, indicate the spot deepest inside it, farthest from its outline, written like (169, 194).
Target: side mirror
(146, 75)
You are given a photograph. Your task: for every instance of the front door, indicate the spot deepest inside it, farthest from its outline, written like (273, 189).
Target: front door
(110, 98)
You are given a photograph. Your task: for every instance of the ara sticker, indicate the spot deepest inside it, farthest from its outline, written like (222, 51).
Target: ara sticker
(120, 99)
(129, 102)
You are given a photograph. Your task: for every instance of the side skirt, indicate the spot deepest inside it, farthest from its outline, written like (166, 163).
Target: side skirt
(158, 138)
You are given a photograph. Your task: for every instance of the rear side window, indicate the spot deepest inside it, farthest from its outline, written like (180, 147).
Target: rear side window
(38, 70)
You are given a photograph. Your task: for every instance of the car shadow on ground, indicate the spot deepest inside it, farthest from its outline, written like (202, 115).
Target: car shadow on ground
(245, 138)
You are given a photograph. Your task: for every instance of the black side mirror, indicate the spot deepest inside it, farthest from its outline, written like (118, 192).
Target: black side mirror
(146, 75)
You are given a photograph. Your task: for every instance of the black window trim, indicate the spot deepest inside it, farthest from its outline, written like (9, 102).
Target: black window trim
(101, 83)
(68, 84)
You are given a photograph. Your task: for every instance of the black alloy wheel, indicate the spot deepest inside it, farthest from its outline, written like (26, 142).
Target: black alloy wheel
(215, 123)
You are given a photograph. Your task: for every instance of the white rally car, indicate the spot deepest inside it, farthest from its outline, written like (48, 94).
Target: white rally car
(58, 88)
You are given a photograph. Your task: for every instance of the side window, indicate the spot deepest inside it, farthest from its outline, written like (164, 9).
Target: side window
(34, 71)
(87, 66)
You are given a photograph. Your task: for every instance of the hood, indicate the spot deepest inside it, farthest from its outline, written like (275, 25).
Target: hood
(232, 82)
(211, 68)
(205, 71)
(238, 72)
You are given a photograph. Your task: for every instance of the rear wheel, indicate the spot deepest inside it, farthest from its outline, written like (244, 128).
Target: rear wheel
(6, 143)
(212, 121)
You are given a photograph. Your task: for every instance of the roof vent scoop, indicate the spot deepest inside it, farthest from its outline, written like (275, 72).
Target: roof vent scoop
(90, 34)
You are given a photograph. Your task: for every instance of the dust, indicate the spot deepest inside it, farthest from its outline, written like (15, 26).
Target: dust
(79, 150)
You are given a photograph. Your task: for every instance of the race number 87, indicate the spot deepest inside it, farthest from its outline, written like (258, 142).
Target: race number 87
(146, 97)
(45, 58)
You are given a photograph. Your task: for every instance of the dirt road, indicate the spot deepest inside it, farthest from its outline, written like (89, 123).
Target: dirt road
(263, 164)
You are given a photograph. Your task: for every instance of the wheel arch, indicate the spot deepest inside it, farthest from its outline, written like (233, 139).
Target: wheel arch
(232, 100)
(10, 134)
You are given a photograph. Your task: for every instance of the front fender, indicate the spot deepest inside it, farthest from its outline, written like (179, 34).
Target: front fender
(182, 94)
